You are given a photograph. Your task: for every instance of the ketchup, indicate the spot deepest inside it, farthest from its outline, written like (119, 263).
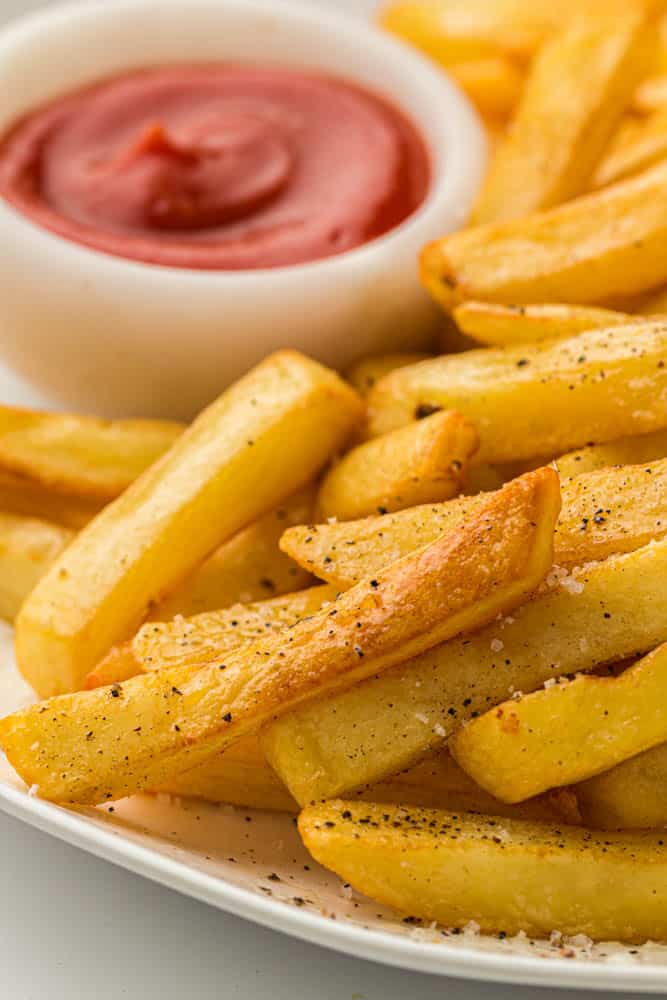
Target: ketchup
(216, 166)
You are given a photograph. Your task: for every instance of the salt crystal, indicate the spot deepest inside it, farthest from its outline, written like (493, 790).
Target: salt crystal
(497, 645)
(33, 791)
(420, 717)
(439, 730)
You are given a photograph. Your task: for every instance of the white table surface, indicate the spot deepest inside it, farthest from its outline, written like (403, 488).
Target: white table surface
(72, 926)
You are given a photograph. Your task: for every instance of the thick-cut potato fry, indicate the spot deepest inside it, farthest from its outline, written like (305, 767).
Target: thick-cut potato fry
(96, 745)
(80, 456)
(248, 567)
(625, 451)
(656, 303)
(567, 732)
(202, 638)
(27, 548)
(502, 326)
(366, 373)
(578, 86)
(506, 875)
(493, 83)
(242, 777)
(636, 148)
(423, 462)
(600, 246)
(542, 398)
(26, 499)
(262, 439)
(629, 796)
(604, 512)
(357, 737)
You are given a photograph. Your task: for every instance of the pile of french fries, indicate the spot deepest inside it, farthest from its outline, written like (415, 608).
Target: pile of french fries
(423, 605)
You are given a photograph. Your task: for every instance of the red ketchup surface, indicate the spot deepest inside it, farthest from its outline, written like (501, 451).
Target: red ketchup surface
(216, 166)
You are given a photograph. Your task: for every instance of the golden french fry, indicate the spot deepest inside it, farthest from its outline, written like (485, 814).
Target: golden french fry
(504, 874)
(651, 95)
(567, 732)
(605, 511)
(366, 373)
(27, 499)
(234, 463)
(600, 246)
(96, 745)
(423, 462)
(575, 93)
(628, 796)
(536, 399)
(248, 567)
(493, 83)
(503, 326)
(656, 303)
(242, 777)
(625, 451)
(27, 548)
(83, 457)
(636, 148)
(358, 737)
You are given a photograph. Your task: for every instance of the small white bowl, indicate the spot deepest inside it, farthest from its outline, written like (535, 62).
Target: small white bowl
(117, 337)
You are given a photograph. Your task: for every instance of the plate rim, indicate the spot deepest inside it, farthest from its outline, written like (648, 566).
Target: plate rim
(371, 945)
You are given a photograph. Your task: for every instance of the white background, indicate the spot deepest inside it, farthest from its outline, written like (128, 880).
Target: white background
(72, 926)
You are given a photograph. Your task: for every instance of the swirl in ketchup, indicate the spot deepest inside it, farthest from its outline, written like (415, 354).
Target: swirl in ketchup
(216, 166)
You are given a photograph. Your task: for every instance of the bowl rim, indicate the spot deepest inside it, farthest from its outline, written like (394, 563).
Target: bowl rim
(460, 147)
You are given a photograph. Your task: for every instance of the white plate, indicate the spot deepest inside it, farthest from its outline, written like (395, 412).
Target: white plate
(252, 864)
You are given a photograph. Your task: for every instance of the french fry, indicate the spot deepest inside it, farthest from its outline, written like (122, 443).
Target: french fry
(505, 875)
(503, 326)
(84, 457)
(248, 567)
(567, 732)
(538, 399)
(576, 91)
(600, 246)
(202, 638)
(637, 147)
(604, 512)
(656, 303)
(493, 84)
(628, 796)
(97, 745)
(651, 95)
(234, 463)
(27, 548)
(647, 448)
(242, 777)
(366, 373)
(356, 738)
(423, 462)
(26, 499)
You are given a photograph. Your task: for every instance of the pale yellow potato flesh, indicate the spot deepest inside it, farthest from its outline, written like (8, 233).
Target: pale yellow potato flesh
(80, 456)
(536, 399)
(27, 548)
(248, 567)
(28, 499)
(493, 83)
(198, 640)
(628, 796)
(625, 451)
(387, 723)
(507, 875)
(637, 147)
(497, 325)
(265, 437)
(423, 462)
(578, 86)
(364, 374)
(567, 732)
(605, 511)
(600, 246)
(242, 777)
(97, 745)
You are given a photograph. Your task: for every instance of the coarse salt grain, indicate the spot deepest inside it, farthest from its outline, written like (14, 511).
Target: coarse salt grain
(439, 730)
(33, 790)
(420, 717)
(332, 520)
(497, 645)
